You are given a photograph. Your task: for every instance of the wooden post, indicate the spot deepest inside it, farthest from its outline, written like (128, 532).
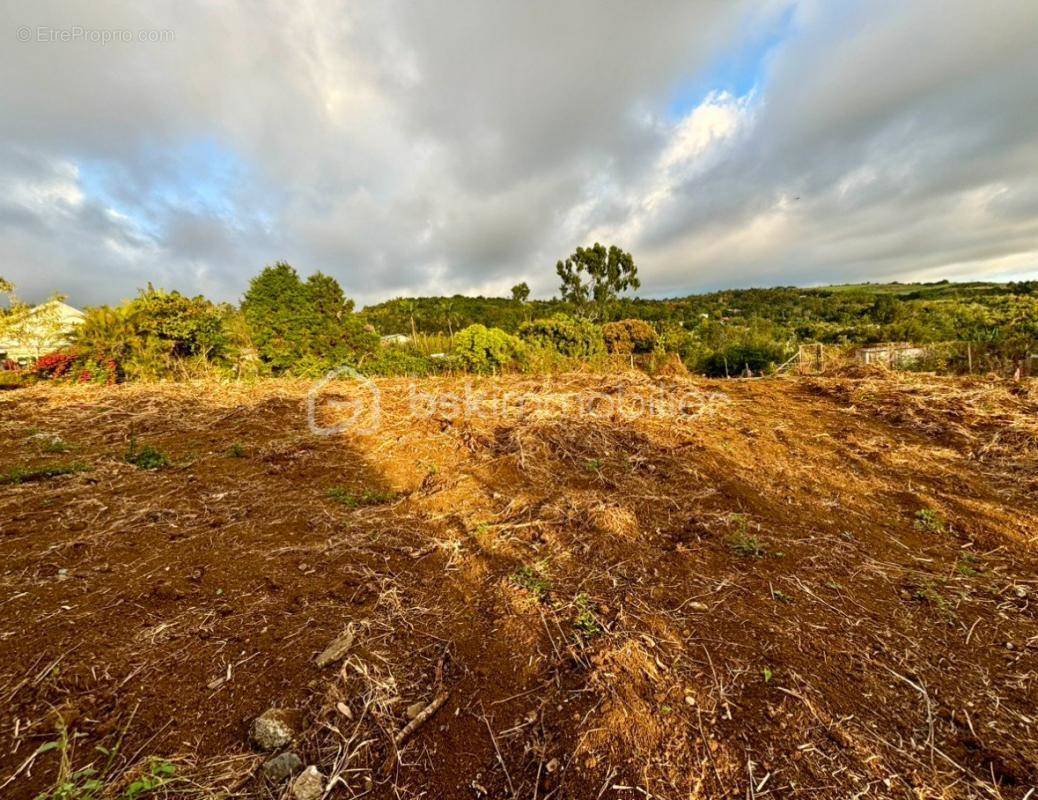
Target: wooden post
(969, 356)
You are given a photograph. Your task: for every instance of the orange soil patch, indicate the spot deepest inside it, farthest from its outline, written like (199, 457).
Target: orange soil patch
(629, 587)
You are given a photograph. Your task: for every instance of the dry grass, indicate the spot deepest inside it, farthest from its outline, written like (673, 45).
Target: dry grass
(728, 596)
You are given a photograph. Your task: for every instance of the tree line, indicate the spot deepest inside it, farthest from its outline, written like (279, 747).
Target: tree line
(286, 324)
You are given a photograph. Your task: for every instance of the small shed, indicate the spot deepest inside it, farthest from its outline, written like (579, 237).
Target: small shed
(891, 354)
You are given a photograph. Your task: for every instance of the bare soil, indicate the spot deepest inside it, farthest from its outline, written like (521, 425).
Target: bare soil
(771, 588)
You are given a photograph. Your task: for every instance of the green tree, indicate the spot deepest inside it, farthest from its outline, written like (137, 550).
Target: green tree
(884, 309)
(609, 273)
(302, 326)
(276, 307)
(176, 325)
(521, 292)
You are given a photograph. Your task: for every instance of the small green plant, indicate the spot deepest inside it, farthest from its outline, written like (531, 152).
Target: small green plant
(25, 474)
(746, 546)
(160, 773)
(930, 521)
(369, 498)
(53, 444)
(930, 593)
(146, 457)
(585, 621)
(781, 597)
(593, 465)
(236, 451)
(94, 782)
(532, 581)
(968, 566)
(768, 674)
(742, 542)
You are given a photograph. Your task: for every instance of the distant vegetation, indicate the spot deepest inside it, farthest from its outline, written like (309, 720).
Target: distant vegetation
(291, 325)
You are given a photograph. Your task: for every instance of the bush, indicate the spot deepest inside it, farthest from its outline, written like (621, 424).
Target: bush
(71, 365)
(568, 336)
(180, 326)
(481, 349)
(629, 336)
(732, 360)
(399, 361)
(55, 365)
(14, 379)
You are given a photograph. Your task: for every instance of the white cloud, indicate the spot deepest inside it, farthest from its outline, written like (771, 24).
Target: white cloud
(429, 147)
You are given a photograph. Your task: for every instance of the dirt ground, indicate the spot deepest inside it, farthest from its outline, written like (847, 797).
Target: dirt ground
(616, 586)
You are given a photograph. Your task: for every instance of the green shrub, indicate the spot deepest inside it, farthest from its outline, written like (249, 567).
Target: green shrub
(567, 336)
(14, 379)
(732, 360)
(629, 336)
(399, 361)
(481, 349)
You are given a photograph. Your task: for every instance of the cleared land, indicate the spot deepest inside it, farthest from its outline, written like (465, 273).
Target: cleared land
(776, 588)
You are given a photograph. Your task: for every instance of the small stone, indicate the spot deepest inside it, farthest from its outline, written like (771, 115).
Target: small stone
(337, 649)
(270, 730)
(415, 709)
(309, 785)
(344, 709)
(282, 767)
(552, 765)
(1020, 591)
(695, 605)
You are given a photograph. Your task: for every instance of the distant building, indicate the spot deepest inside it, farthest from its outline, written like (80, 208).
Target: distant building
(42, 329)
(891, 354)
(394, 339)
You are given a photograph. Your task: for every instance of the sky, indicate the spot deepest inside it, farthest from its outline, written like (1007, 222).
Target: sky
(461, 146)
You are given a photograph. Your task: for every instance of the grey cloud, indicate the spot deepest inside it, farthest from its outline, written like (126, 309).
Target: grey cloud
(430, 146)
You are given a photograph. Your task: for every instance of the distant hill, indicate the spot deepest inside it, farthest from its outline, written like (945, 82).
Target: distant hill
(848, 312)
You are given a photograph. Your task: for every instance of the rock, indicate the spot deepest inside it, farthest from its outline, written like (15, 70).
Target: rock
(271, 730)
(309, 785)
(415, 709)
(281, 767)
(337, 649)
